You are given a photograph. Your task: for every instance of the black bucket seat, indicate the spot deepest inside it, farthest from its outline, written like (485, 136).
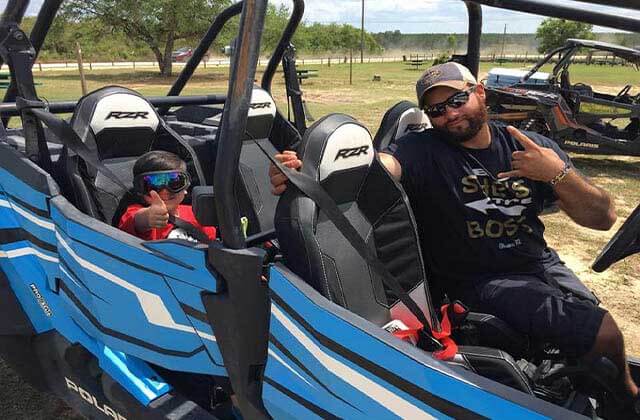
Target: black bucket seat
(402, 118)
(338, 152)
(118, 125)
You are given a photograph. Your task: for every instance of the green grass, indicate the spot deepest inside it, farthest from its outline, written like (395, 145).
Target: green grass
(365, 99)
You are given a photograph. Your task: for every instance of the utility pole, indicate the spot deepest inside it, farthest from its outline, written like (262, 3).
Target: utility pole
(504, 35)
(362, 35)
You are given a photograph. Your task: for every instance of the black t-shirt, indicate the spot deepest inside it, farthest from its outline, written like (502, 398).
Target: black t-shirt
(471, 224)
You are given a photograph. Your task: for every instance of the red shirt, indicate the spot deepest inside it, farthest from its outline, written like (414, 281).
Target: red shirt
(184, 212)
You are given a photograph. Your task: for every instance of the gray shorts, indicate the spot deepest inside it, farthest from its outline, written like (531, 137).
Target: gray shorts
(552, 306)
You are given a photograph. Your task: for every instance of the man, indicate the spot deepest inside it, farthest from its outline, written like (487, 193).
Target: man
(476, 189)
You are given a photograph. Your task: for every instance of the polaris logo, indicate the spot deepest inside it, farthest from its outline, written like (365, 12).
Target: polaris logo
(130, 115)
(416, 127)
(351, 152)
(91, 399)
(43, 303)
(260, 105)
(582, 144)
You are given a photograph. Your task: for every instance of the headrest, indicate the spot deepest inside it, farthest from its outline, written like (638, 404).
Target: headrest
(116, 122)
(337, 151)
(262, 112)
(401, 119)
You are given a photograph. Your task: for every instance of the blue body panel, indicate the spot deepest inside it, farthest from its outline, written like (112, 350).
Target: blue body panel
(120, 300)
(355, 373)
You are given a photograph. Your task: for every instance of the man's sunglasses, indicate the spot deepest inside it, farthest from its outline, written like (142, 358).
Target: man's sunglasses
(455, 101)
(174, 181)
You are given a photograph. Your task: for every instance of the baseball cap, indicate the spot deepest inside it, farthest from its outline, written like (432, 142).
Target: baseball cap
(449, 74)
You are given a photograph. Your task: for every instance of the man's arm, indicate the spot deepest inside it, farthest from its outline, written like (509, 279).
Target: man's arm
(289, 159)
(392, 165)
(586, 204)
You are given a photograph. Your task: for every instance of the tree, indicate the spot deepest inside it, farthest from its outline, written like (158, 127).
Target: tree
(389, 39)
(156, 23)
(275, 21)
(452, 42)
(553, 33)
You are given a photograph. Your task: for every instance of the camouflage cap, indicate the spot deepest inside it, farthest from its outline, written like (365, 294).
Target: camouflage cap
(449, 74)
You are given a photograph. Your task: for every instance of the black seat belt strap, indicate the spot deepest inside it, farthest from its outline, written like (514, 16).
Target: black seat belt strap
(312, 189)
(68, 137)
(190, 229)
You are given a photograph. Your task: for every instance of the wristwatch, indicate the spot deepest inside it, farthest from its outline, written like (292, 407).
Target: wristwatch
(567, 168)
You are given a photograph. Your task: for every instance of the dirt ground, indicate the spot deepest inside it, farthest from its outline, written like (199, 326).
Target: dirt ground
(19, 401)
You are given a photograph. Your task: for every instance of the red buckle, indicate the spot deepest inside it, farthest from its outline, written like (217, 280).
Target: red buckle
(450, 348)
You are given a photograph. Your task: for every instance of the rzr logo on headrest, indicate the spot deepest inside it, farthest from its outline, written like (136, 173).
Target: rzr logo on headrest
(416, 127)
(351, 152)
(260, 105)
(119, 115)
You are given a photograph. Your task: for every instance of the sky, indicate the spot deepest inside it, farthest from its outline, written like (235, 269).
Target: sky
(417, 16)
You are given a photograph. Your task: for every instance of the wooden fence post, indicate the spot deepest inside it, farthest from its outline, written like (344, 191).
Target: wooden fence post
(83, 81)
(351, 66)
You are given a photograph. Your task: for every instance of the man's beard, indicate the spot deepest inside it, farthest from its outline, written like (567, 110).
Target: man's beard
(475, 120)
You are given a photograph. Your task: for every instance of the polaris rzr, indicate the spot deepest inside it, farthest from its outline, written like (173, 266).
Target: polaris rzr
(123, 328)
(576, 116)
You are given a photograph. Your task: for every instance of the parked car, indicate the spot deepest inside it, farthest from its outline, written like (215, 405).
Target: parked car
(181, 54)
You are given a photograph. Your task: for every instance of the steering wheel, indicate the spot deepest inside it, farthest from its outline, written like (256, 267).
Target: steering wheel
(622, 93)
(625, 242)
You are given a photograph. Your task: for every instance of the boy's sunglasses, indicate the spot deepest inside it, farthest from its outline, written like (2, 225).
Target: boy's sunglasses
(455, 101)
(174, 181)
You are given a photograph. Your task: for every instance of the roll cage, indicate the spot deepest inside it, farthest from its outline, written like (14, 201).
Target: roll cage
(573, 47)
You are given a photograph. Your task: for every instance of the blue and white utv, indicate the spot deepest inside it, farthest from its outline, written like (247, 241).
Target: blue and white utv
(285, 320)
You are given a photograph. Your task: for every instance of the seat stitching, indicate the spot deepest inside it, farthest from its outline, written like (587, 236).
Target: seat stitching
(324, 271)
(387, 211)
(308, 254)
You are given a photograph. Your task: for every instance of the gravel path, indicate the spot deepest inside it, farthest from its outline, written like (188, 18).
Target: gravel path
(18, 400)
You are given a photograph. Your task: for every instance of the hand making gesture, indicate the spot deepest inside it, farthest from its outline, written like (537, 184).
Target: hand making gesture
(157, 214)
(534, 162)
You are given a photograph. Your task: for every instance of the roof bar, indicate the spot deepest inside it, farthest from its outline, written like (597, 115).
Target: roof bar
(234, 121)
(13, 12)
(472, 58)
(202, 48)
(38, 34)
(285, 40)
(570, 13)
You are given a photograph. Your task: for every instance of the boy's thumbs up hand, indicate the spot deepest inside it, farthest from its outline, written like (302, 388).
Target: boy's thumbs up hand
(157, 213)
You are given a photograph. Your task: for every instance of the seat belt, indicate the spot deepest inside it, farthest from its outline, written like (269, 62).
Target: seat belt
(68, 137)
(3, 132)
(190, 229)
(312, 189)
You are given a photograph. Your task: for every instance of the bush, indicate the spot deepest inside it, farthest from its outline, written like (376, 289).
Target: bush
(441, 59)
